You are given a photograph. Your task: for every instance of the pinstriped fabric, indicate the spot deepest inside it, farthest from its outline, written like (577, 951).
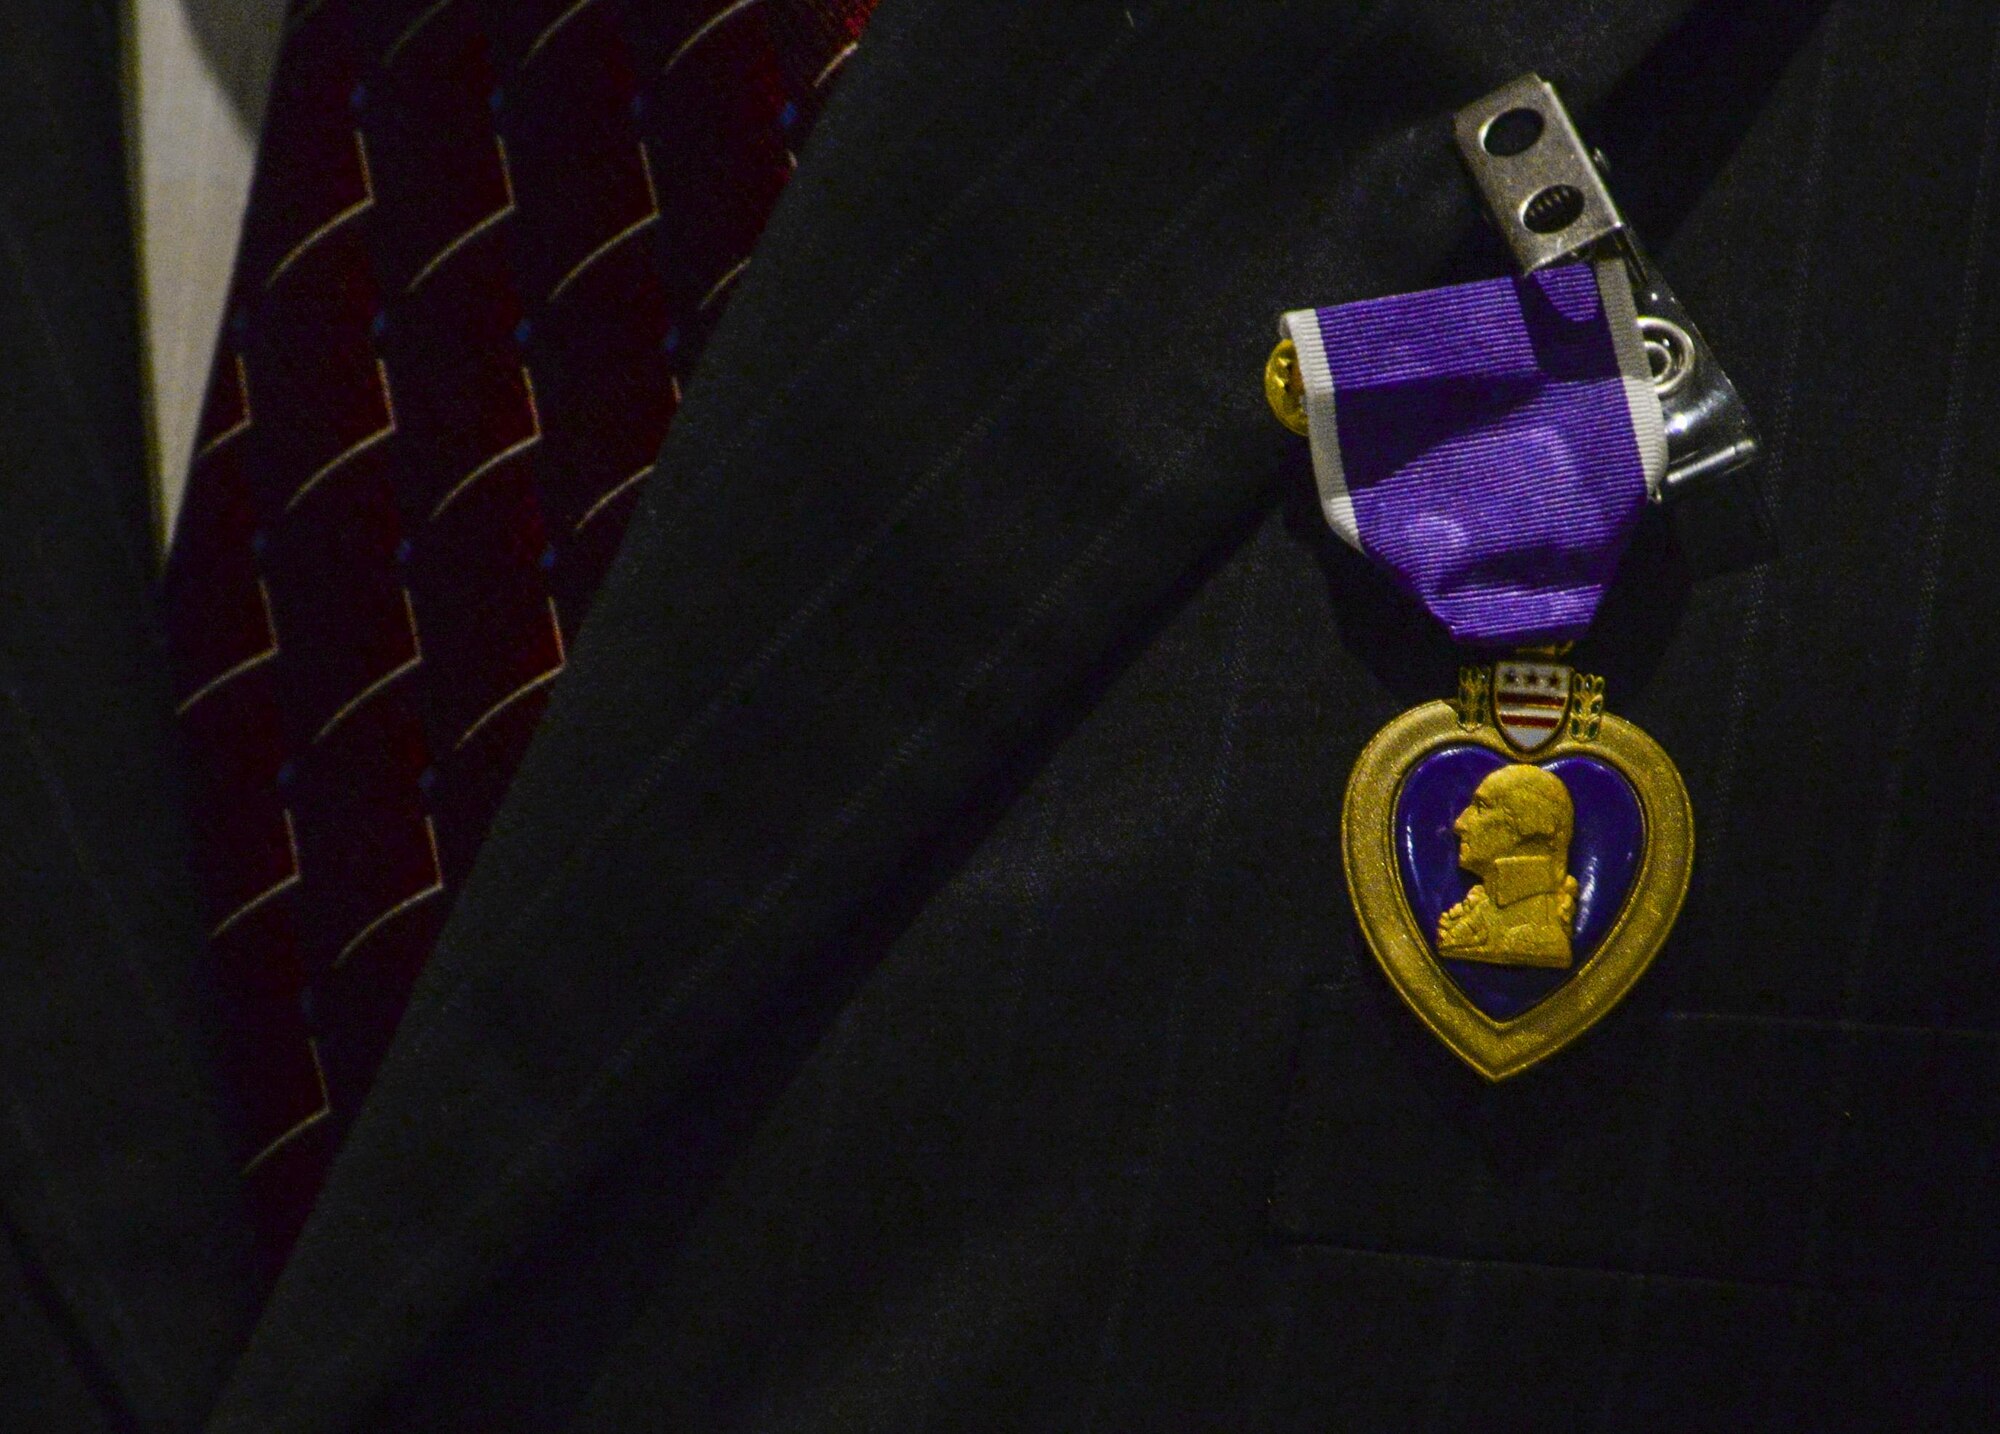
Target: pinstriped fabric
(1719, 829)
(485, 245)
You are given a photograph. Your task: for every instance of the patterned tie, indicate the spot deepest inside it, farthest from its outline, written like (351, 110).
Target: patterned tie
(486, 242)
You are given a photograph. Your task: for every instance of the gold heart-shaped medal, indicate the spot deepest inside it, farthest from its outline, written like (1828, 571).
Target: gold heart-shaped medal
(1516, 858)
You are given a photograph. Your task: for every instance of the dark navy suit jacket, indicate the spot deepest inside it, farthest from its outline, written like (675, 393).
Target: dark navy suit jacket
(911, 985)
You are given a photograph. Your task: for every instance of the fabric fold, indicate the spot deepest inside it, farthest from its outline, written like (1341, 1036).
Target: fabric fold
(1490, 444)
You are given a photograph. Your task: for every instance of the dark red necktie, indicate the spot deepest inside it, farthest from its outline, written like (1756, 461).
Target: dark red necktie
(486, 242)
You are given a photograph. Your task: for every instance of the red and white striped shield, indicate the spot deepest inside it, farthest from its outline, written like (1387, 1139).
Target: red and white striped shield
(1529, 699)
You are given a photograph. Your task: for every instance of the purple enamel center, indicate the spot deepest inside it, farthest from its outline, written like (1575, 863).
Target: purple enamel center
(1604, 853)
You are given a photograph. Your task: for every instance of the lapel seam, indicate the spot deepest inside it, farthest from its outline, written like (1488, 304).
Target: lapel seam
(611, 1069)
(120, 937)
(57, 791)
(787, 631)
(770, 403)
(120, 1317)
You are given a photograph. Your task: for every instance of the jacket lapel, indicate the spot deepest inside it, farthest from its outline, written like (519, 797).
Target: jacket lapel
(988, 394)
(115, 1187)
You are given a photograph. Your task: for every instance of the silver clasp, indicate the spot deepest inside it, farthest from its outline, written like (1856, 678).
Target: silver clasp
(1547, 195)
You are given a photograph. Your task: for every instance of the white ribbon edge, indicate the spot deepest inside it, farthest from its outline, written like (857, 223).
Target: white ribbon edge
(1649, 424)
(1649, 428)
(1301, 326)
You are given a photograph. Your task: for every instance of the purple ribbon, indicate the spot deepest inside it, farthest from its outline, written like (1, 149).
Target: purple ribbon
(1491, 444)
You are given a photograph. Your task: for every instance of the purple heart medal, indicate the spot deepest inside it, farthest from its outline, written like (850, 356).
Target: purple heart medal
(1516, 856)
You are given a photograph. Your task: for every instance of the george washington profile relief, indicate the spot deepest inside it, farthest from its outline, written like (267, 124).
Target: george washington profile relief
(1514, 836)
